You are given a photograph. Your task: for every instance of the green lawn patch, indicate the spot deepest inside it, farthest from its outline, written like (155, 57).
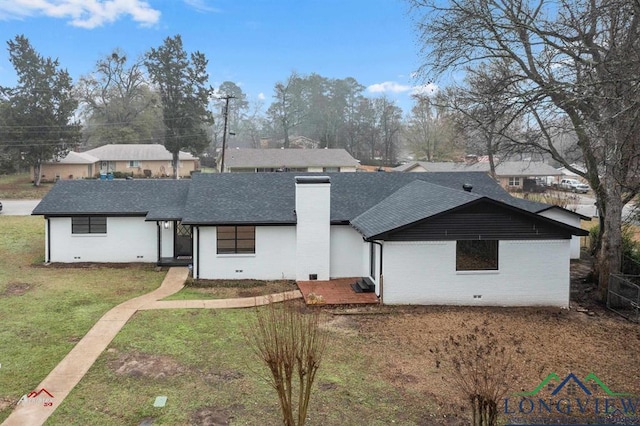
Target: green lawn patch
(20, 187)
(45, 310)
(226, 289)
(200, 360)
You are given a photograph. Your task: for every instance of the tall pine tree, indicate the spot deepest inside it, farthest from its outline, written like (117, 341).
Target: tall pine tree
(38, 123)
(180, 79)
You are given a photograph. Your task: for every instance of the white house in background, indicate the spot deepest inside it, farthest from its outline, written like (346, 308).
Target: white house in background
(250, 160)
(421, 238)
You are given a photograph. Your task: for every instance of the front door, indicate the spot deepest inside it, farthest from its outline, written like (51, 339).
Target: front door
(183, 243)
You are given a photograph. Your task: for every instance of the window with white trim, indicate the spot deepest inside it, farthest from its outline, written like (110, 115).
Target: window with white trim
(134, 163)
(514, 181)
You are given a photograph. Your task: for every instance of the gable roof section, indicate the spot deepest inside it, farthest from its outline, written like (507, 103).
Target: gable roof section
(73, 157)
(249, 157)
(415, 201)
(136, 152)
(156, 199)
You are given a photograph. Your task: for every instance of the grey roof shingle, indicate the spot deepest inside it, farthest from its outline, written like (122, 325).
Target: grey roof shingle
(135, 152)
(371, 201)
(275, 158)
(413, 202)
(505, 168)
(270, 197)
(77, 158)
(157, 199)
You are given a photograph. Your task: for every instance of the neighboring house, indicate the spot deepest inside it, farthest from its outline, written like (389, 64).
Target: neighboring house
(75, 165)
(136, 158)
(422, 238)
(288, 160)
(140, 160)
(511, 174)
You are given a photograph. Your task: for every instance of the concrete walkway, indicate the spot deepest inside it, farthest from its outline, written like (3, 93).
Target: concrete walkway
(66, 375)
(244, 302)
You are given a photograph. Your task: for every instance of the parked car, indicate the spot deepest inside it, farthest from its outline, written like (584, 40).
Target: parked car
(574, 185)
(0, 207)
(533, 185)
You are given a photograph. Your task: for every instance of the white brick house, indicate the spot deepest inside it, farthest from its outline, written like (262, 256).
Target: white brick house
(421, 238)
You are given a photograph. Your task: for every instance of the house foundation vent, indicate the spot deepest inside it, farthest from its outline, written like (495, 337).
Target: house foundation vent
(313, 277)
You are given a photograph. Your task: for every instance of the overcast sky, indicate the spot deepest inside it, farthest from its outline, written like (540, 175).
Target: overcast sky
(254, 43)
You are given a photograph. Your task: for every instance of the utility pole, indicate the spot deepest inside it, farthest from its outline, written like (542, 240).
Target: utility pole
(225, 113)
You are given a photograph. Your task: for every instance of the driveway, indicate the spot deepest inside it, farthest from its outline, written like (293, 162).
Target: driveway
(585, 204)
(18, 207)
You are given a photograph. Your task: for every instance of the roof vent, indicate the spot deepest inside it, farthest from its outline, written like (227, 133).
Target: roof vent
(467, 187)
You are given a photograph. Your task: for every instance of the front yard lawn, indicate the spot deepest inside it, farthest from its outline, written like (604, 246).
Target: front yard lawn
(45, 310)
(379, 368)
(20, 187)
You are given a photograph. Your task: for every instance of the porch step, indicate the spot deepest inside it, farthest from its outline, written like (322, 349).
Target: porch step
(364, 285)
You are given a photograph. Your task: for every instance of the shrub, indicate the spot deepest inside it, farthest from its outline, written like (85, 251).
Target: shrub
(290, 344)
(481, 370)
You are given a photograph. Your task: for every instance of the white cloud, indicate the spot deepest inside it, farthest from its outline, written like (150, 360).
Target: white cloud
(388, 87)
(261, 96)
(201, 6)
(425, 89)
(81, 13)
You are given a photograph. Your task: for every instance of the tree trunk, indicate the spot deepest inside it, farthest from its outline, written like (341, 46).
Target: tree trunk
(176, 165)
(37, 173)
(610, 253)
(286, 137)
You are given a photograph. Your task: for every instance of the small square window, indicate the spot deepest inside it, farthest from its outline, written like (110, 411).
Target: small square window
(477, 255)
(236, 239)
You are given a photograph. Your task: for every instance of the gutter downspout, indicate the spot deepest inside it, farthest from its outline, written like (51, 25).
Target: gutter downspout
(197, 272)
(159, 243)
(381, 280)
(48, 260)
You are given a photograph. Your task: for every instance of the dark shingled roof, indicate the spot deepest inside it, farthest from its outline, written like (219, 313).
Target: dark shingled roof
(372, 201)
(156, 199)
(413, 202)
(229, 198)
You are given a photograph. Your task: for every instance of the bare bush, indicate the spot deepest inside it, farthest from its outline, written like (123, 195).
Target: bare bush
(291, 344)
(481, 370)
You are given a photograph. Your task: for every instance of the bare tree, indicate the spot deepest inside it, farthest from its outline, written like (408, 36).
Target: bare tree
(429, 130)
(291, 345)
(570, 61)
(286, 111)
(117, 102)
(389, 125)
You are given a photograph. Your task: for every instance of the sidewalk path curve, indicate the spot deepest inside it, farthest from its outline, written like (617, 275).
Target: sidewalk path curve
(66, 375)
(243, 302)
